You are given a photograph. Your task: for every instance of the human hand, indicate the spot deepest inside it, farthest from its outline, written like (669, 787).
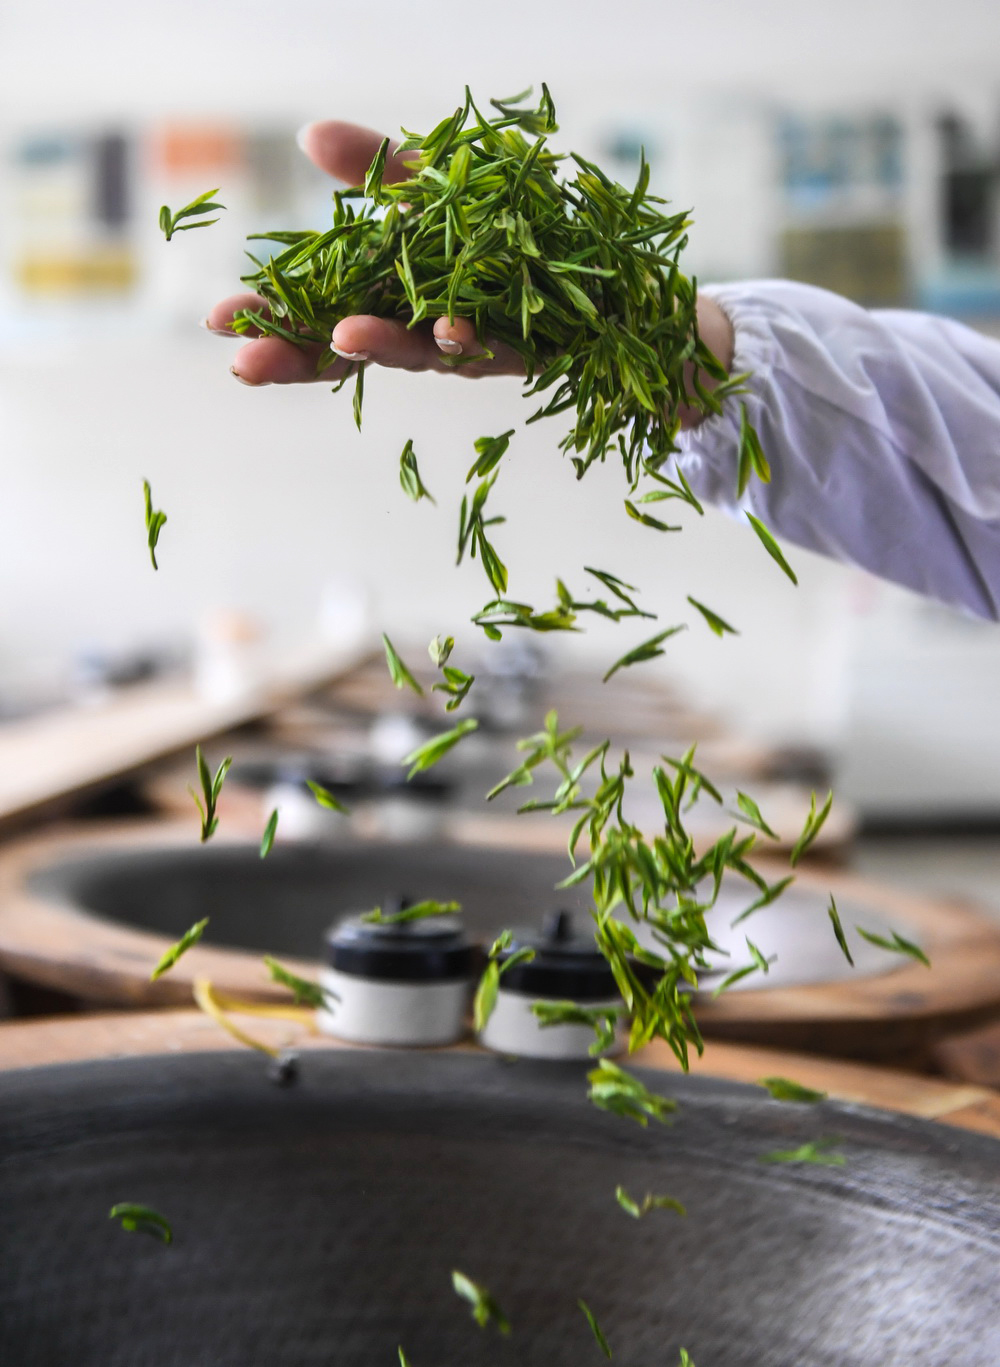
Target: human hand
(346, 151)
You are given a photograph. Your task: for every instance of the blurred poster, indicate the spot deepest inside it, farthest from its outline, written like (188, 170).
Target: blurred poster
(841, 179)
(70, 206)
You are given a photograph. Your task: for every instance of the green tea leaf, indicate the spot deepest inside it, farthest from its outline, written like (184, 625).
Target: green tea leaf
(715, 622)
(373, 179)
(595, 1329)
(457, 684)
(418, 911)
(838, 930)
(751, 814)
(647, 520)
(306, 993)
(603, 1020)
(782, 1089)
(486, 995)
(409, 476)
(818, 1151)
(485, 1308)
(647, 651)
(170, 956)
(771, 546)
(613, 1089)
(440, 649)
(398, 671)
(359, 395)
(897, 945)
(155, 521)
(437, 747)
(637, 1209)
(270, 830)
(142, 1219)
(202, 205)
(325, 798)
(751, 456)
(210, 789)
(490, 451)
(811, 829)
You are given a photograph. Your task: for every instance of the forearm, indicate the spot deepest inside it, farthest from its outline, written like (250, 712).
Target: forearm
(883, 433)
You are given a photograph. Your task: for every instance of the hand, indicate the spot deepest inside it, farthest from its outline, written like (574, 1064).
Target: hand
(346, 151)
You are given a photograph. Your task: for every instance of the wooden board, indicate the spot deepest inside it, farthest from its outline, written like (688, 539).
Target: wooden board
(627, 706)
(896, 1016)
(784, 805)
(33, 1044)
(972, 1056)
(60, 755)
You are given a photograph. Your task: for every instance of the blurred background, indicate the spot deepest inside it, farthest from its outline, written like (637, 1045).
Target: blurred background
(854, 145)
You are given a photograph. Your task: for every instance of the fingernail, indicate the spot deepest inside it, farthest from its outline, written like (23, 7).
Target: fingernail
(301, 135)
(351, 355)
(448, 344)
(218, 332)
(254, 384)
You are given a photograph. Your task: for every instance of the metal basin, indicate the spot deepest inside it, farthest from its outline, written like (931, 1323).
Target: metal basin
(283, 905)
(320, 1224)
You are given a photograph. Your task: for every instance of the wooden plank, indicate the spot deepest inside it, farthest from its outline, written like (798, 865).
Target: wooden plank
(971, 1057)
(33, 1044)
(47, 759)
(893, 1017)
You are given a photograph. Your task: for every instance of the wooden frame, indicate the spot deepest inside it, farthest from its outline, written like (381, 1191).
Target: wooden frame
(893, 1016)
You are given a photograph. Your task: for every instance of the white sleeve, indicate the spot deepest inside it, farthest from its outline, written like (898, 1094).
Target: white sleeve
(882, 429)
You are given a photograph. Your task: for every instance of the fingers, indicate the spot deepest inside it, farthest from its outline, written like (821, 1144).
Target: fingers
(383, 341)
(459, 339)
(222, 313)
(345, 150)
(386, 341)
(269, 360)
(389, 342)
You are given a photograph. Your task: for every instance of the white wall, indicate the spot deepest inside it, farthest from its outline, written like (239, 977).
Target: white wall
(272, 493)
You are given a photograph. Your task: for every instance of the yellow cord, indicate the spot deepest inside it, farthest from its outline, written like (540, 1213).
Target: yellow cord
(216, 1004)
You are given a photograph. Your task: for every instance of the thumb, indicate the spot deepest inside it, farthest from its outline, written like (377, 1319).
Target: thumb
(345, 151)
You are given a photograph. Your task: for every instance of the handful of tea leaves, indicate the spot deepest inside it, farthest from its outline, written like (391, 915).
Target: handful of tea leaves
(577, 274)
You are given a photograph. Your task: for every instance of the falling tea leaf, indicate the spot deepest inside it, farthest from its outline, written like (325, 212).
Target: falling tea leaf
(170, 957)
(143, 1220)
(270, 830)
(782, 1089)
(595, 1329)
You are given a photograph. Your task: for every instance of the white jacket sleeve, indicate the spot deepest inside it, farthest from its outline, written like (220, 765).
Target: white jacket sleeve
(882, 429)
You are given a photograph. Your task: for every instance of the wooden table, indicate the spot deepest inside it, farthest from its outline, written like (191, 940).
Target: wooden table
(32, 1044)
(51, 759)
(243, 807)
(973, 1056)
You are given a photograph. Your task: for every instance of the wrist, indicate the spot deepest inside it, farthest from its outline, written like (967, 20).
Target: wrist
(716, 331)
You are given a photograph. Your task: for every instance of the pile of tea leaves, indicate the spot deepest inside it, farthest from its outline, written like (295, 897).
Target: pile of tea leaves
(577, 274)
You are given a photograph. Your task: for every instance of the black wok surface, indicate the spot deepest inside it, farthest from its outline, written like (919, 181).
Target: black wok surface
(320, 1224)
